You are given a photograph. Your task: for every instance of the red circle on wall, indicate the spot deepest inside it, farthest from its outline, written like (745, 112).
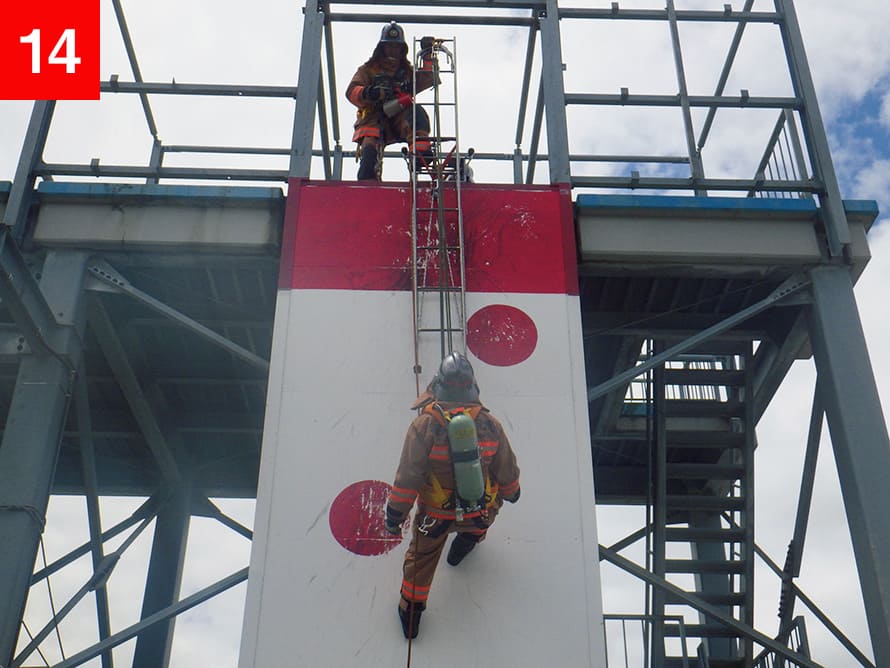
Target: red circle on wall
(356, 518)
(501, 335)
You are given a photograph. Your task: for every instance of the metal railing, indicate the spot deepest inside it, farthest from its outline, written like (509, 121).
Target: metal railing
(633, 633)
(797, 641)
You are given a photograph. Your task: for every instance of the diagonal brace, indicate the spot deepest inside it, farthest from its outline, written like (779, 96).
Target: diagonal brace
(105, 273)
(789, 287)
(176, 609)
(21, 294)
(708, 609)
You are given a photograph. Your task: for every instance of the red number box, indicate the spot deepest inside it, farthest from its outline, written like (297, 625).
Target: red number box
(50, 50)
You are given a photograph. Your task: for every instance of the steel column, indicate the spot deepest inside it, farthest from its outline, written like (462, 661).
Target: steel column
(814, 130)
(859, 438)
(19, 203)
(554, 95)
(91, 495)
(30, 446)
(307, 90)
(695, 162)
(164, 578)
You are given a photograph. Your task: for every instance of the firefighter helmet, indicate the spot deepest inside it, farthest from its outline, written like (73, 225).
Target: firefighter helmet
(392, 33)
(455, 380)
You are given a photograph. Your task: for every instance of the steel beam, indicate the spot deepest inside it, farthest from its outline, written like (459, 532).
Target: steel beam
(176, 609)
(174, 88)
(787, 288)
(129, 384)
(110, 276)
(859, 438)
(146, 510)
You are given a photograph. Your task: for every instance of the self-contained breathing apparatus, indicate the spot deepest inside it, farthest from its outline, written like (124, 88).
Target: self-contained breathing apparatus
(463, 444)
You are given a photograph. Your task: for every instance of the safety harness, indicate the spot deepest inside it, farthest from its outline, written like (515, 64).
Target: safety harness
(472, 487)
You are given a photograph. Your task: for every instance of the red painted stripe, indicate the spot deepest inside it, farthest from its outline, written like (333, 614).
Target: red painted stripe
(356, 236)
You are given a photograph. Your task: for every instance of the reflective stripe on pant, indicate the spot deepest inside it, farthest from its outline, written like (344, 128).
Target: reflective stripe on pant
(424, 551)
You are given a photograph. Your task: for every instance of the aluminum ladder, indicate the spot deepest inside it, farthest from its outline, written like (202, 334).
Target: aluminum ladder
(438, 271)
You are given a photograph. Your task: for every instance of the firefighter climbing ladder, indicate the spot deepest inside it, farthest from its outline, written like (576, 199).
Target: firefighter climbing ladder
(437, 257)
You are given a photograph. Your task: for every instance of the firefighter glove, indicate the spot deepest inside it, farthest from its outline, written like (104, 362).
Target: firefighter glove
(393, 520)
(375, 93)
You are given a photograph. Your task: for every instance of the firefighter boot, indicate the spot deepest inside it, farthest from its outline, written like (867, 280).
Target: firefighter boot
(410, 617)
(461, 546)
(424, 163)
(367, 166)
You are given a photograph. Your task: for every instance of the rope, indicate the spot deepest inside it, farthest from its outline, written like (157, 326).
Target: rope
(52, 602)
(30, 638)
(414, 590)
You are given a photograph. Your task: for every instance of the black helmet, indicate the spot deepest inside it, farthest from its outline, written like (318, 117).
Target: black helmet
(392, 33)
(455, 380)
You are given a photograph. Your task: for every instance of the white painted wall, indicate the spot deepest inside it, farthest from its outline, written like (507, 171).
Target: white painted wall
(338, 408)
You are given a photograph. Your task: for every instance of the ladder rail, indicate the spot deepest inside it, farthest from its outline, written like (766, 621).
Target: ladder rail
(444, 254)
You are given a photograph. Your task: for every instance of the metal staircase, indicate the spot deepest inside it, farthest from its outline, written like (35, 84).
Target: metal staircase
(703, 502)
(438, 267)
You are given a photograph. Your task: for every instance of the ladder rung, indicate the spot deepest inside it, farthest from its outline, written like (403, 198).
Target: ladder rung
(435, 288)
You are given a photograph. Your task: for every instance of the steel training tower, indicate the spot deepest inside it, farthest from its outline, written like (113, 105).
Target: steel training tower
(642, 306)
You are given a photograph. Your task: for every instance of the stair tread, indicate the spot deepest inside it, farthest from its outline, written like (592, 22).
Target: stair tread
(705, 471)
(726, 599)
(703, 408)
(705, 438)
(705, 377)
(704, 502)
(704, 566)
(701, 631)
(688, 535)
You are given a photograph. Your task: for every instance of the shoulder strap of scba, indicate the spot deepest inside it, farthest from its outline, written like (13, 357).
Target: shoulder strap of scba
(443, 416)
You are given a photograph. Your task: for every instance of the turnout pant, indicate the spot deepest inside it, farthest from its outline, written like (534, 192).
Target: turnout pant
(428, 537)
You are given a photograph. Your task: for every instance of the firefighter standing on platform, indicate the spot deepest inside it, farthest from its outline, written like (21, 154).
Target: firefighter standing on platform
(437, 471)
(382, 89)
